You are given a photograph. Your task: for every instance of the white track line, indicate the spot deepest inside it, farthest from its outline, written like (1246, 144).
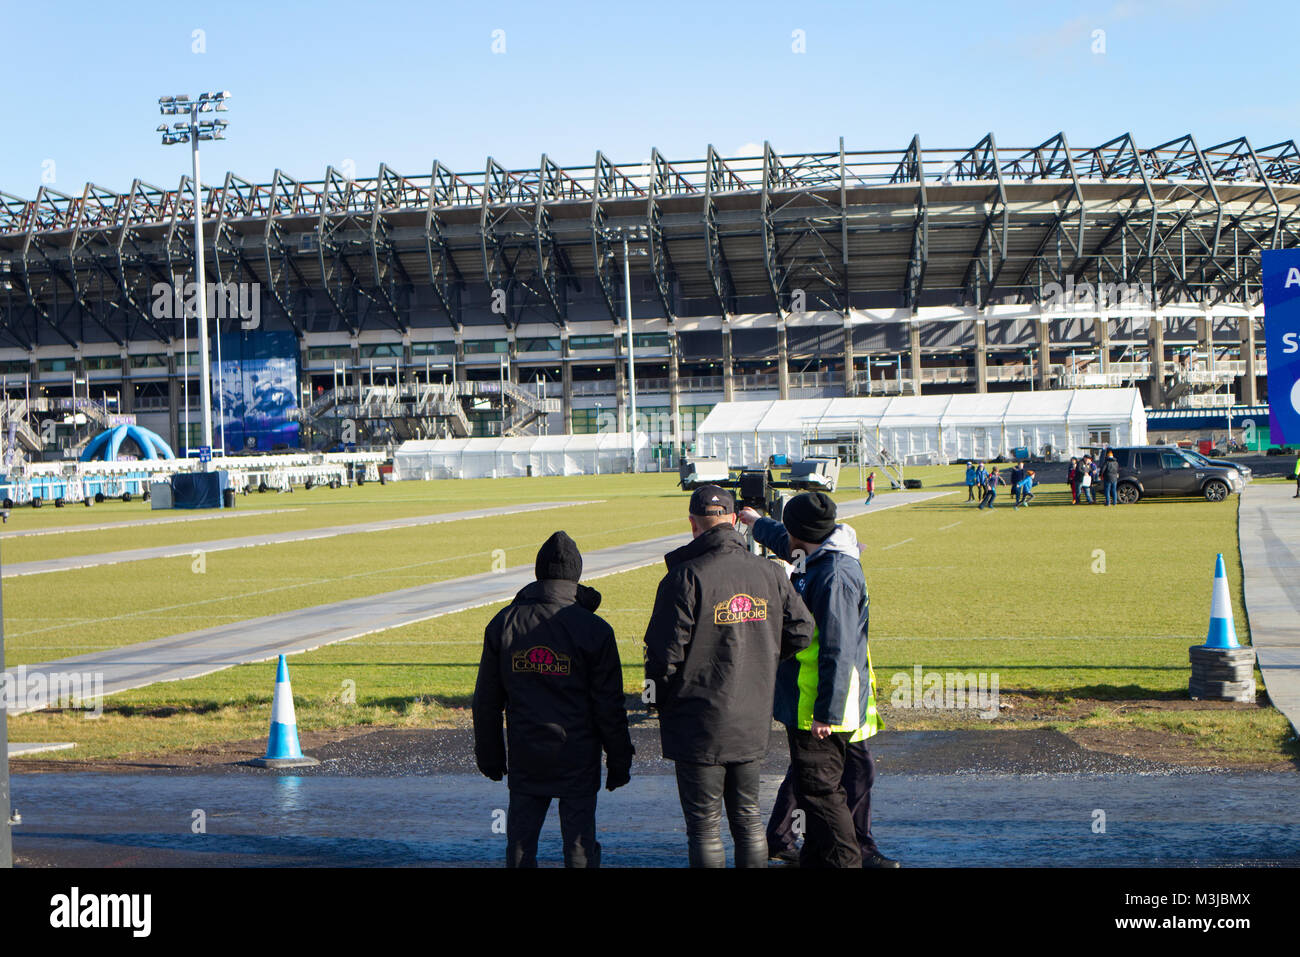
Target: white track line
(188, 549)
(135, 523)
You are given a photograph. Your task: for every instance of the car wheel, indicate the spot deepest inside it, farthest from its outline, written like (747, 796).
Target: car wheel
(1127, 493)
(1215, 491)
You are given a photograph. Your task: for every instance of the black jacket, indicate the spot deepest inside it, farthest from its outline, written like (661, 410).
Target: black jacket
(552, 666)
(1110, 470)
(723, 619)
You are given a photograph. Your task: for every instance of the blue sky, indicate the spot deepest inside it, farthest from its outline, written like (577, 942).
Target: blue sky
(405, 83)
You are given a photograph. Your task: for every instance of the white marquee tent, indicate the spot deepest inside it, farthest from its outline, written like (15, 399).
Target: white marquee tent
(928, 428)
(594, 454)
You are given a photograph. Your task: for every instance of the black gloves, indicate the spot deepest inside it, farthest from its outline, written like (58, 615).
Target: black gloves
(494, 771)
(616, 777)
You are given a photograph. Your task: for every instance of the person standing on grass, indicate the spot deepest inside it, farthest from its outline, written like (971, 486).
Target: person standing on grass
(871, 487)
(1017, 475)
(1085, 482)
(1110, 474)
(970, 481)
(991, 484)
(552, 667)
(1072, 479)
(723, 620)
(1025, 489)
(981, 479)
(826, 696)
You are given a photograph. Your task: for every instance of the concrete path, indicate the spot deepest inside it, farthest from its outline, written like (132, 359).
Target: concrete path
(169, 520)
(17, 749)
(1269, 533)
(268, 818)
(187, 549)
(202, 652)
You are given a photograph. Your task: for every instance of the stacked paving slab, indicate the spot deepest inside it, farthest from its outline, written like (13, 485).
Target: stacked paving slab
(1222, 674)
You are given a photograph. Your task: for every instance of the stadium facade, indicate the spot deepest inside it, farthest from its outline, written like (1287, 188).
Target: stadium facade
(772, 276)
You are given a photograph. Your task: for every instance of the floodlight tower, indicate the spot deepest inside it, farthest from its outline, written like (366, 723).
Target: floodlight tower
(191, 131)
(637, 233)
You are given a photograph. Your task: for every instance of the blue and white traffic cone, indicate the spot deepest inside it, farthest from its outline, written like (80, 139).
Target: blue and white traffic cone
(282, 747)
(1222, 670)
(1223, 632)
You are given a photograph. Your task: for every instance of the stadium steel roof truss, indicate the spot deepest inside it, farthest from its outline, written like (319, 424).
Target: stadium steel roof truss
(910, 171)
(522, 264)
(282, 198)
(445, 187)
(902, 229)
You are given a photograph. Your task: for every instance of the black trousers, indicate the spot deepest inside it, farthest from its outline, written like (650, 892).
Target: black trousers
(704, 789)
(524, 822)
(830, 782)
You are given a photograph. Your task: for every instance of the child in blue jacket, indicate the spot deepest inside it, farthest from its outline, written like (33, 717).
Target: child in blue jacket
(1025, 489)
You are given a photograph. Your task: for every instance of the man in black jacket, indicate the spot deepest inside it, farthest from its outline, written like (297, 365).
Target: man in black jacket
(552, 666)
(1110, 475)
(723, 618)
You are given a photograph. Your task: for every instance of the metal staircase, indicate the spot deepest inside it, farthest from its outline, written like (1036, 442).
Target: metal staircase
(27, 419)
(856, 445)
(871, 452)
(387, 414)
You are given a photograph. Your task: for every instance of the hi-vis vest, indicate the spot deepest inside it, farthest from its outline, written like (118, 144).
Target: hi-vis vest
(862, 726)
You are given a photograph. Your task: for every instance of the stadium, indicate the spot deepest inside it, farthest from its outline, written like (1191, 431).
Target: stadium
(482, 391)
(493, 302)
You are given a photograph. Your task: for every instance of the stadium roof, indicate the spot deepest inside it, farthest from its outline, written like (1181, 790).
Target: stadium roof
(722, 236)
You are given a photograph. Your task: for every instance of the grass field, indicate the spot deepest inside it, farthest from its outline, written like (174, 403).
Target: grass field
(1085, 614)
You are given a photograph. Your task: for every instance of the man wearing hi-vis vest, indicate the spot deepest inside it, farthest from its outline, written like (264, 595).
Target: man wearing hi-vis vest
(825, 695)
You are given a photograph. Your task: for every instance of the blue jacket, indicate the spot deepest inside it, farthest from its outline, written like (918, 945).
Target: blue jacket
(831, 681)
(1025, 484)
(970, 475)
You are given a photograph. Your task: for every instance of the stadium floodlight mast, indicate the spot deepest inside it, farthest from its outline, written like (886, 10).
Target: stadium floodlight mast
(191, 131)
(637, 233)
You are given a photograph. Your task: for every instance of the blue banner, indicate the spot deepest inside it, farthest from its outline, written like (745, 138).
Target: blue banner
(1281, 268)
(259, 390)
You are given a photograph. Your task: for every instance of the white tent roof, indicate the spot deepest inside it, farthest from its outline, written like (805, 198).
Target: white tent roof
(794, 415)
(526, 443)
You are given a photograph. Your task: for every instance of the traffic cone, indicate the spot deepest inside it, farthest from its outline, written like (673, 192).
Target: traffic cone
(1222, 670)
(1223, 632)
(282, 748)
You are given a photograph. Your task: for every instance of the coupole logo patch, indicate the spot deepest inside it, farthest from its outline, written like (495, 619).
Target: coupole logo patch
(740, 608)
(540, 660)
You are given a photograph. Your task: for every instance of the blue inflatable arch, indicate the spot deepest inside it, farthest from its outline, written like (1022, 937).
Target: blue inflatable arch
(106, 446)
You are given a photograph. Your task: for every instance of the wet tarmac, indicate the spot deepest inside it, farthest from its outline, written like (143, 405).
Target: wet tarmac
(412, 799)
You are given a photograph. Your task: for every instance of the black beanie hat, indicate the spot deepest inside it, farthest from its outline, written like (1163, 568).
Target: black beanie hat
(810, 517)
(559, 558)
